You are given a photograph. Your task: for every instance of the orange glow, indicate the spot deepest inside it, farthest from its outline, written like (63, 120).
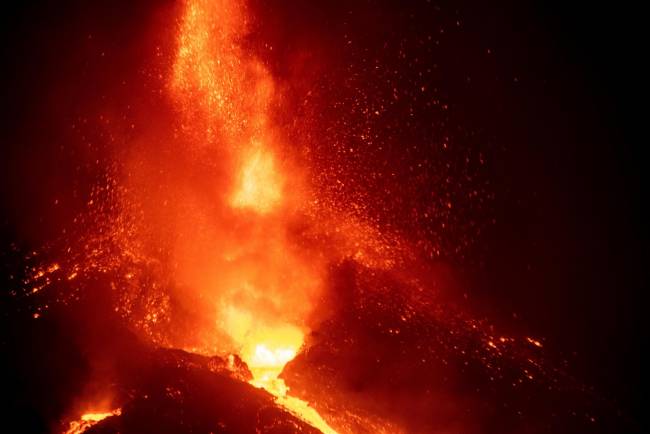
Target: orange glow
(246, 266)
(222, 245)
(89, 419)
(216, 232)
(534, 342)
(259, 186)
(266, 350)
(223, 93)
(266, 354)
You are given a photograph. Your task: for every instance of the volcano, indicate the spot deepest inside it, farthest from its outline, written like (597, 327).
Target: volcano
(239, 216)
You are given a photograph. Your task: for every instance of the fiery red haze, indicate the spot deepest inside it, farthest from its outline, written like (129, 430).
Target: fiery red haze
(223, 203)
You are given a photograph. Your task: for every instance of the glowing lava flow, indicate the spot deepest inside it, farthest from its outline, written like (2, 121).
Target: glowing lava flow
(89, 419)
(266, 350)
(266, 358)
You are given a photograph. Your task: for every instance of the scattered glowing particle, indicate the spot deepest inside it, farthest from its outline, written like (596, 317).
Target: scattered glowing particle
(534, 342)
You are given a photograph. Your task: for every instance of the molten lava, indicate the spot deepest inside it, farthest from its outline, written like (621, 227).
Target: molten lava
(87, 420)
(265, 289)
(266, 356)
(260, 186)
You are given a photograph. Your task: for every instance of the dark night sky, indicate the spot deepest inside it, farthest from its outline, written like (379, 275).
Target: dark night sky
(568, 252)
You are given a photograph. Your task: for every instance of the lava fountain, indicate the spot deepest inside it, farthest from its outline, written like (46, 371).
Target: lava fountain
(265, 288)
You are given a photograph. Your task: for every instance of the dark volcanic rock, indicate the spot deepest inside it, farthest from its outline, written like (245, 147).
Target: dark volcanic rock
(170, 395)
(67, 362)
(395, 360)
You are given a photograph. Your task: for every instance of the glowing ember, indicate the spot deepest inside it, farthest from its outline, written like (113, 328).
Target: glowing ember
(87, 420)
